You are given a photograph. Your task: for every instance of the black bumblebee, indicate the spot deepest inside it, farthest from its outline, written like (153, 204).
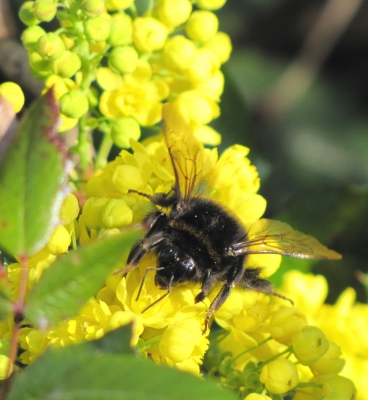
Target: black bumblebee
(199, 240)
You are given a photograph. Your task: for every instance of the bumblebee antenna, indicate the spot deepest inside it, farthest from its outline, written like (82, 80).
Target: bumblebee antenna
(169, 289)
(282, 297)
(144, 279)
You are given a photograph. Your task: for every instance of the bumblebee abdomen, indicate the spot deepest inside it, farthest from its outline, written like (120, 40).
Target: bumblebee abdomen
(205, 229)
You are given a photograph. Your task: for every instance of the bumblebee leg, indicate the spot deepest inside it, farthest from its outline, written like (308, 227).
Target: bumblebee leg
(140, 250)
(207, 285)
(216, 304)
(252, 281)
(169, 289)
(155, 221)
(233, 277)
(144, 279)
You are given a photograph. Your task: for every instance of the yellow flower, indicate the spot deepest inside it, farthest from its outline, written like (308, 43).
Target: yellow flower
(280, 376)
(139, 96)
(343, 323)
(256, 396)
(309, 345)
(149, 34)
(285, 323)
(59, 241)
(13, 93)
(202, 26)
(210, 4)
(174, 12)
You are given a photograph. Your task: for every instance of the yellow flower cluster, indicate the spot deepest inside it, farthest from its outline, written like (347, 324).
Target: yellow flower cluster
(345, 323)
(170, 52)
(171, 331)
(261, 332)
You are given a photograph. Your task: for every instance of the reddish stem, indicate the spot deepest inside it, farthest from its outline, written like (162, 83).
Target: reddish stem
(18, 310)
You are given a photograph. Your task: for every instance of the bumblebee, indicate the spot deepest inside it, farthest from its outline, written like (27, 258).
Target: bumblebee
(198, 240)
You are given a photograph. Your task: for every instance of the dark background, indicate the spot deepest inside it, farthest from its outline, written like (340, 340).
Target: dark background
(296, 94)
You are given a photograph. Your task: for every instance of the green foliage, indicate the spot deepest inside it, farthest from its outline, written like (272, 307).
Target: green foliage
(32, 181)
(100, 370)
(74, 278)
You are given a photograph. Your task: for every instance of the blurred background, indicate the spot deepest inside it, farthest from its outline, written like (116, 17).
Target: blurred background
(297, 95)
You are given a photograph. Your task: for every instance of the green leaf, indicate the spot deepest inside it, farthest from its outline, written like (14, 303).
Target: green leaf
(32, 180)
(75, 277)
(117, 341)
(80, 372)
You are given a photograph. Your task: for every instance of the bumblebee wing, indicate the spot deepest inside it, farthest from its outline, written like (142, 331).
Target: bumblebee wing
(184, 151)
(274, 237)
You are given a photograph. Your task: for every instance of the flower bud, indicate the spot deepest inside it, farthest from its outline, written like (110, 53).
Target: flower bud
(309, 345)
(74, 104)
(50, 46)
(149, 34)
(123, 59)
(174, 12)
(96, 29)
(202, 26)
(203, 66)
(340, 386)
(69, 209)
(121, 30)
(92, 8)
(179, 52)
(116, 214)
(177, 343)
(30, 37)
(44, 10)
(279, 376)
(210, 4)
(256, 396)
(125, 129)
(115, 5)
(26, 14)
(4, 364)
(285, 323)
(220, 44)
(330, 362)
(92, 212)
(67, 65)
(59, 241)
(13, 93)
(39, 66)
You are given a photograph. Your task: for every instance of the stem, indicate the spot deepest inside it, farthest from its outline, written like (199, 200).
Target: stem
(74, 239)
(148, 11)
(251, 348)
(260, 366)
(103, 151)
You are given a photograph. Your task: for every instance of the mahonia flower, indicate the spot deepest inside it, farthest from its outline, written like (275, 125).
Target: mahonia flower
(257, 352)
(171, 331)
(107, 59)
(344, 324)
(13, 93)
